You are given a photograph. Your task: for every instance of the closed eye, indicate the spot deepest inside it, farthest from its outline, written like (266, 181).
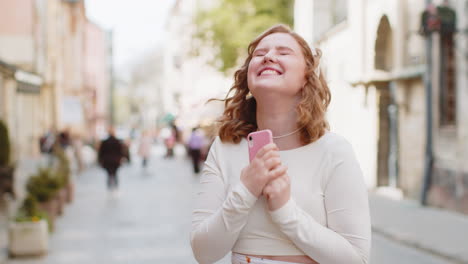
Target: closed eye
(285, 50)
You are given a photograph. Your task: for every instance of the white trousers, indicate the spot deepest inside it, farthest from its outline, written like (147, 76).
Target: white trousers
(242, 259)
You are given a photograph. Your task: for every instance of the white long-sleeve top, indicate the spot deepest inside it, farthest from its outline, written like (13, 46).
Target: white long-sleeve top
(327, 217)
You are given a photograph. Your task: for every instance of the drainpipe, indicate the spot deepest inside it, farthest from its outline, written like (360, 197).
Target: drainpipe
(393, 152)
(429, 157)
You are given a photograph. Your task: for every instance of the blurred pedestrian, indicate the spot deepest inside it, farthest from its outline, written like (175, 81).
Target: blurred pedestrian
(302, 198)
(175, 132)
(46, 145)
(110, 158)
(169, 139)
(144, 148)
(77, 146)
(195, 144)
(46, 142)
(64, 139)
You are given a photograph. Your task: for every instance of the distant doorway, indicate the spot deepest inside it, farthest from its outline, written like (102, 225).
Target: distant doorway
(387, 162)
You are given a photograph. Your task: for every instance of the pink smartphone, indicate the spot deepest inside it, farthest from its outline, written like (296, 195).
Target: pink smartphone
(256, 141)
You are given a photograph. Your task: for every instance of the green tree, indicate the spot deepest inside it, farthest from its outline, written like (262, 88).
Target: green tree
(229, 27)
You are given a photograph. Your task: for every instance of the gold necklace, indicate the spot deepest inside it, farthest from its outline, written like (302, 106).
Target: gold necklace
(288, 134)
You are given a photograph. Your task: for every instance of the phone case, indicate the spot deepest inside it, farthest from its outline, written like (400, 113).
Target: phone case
(256, 140)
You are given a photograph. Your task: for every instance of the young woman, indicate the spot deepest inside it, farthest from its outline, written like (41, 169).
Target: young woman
(302, 199)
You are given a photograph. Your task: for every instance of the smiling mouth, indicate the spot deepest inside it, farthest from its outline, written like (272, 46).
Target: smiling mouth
(269, 72)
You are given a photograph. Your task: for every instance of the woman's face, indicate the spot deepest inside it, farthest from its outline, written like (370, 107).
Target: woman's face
(277, 65)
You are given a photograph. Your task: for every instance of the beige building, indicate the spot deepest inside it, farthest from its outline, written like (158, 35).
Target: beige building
(190, 81)
(23, 50)
(73, 19)
(54, 40)
(449, 186)
(41, 40)
(374, 60)
(96, 82)
(42, 74)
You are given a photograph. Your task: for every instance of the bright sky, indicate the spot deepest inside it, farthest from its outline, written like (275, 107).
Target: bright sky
(138, 25)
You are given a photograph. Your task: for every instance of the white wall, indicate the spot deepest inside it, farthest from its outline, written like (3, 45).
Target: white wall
(352, 112)
(18, 49)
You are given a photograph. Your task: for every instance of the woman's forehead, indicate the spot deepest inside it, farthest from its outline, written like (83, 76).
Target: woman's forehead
(278, 40)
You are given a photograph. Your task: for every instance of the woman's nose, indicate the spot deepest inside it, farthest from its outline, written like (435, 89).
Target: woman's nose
(269, 57)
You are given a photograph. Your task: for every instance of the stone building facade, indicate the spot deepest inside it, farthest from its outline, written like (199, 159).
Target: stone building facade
(374, 60)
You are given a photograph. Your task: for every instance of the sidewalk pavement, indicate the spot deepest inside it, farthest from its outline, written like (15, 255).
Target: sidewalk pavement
(436, 231)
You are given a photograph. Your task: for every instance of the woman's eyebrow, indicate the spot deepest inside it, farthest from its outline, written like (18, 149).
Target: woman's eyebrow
(277, 47)
(284, 48)
(261, 49)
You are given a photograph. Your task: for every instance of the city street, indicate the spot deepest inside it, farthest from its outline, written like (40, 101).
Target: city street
(76, 75)
(148, 220)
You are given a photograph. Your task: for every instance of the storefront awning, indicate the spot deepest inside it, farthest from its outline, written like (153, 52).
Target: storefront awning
(28, 82)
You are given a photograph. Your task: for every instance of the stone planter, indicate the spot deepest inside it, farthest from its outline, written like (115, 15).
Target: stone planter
(28, 238)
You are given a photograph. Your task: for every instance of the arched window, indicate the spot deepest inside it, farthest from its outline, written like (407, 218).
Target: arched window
(383, 46)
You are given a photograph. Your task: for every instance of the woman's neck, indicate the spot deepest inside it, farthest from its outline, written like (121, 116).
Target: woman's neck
(281, 119)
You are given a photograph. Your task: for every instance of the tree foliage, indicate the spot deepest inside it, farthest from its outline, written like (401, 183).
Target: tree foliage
(229, 27)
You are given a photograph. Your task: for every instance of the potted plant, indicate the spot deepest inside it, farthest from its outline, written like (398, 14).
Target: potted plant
(28, 234)
(6, 168)
(44, 187)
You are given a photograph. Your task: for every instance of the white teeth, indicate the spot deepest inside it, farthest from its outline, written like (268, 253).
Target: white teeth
(269, 72)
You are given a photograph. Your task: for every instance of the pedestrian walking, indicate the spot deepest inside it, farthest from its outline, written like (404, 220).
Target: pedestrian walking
(144, 148)
(195, 144)
(46, 144)
(302, 198)
(169, 138)
(110, 157)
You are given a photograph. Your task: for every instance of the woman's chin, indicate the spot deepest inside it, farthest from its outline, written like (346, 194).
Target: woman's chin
(270, 85)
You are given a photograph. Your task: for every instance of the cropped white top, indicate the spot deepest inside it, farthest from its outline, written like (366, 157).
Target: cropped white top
(327, 217)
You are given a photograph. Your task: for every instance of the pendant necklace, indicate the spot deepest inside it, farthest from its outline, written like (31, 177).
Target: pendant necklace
(294, 132)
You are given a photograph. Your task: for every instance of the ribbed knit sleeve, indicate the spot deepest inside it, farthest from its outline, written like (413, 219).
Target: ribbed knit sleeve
(347, 236)
(220, 213)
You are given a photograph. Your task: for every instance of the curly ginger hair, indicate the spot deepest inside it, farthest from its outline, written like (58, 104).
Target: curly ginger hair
(239, 116)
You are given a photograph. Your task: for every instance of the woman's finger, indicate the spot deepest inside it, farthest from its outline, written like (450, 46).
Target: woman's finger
(272, 163)
(271, 154)
(265, 149)
(277, 172)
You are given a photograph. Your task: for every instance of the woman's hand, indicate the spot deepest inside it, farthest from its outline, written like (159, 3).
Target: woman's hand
(278, 192)
(265, 167)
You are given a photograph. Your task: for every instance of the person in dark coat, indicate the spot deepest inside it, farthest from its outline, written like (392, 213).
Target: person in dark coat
(111, 153)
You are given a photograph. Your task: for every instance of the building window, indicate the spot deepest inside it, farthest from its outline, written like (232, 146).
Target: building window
(339, 10)
(447, 93)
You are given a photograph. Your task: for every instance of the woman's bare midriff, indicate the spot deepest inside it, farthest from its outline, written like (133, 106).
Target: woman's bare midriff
(295, 259)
